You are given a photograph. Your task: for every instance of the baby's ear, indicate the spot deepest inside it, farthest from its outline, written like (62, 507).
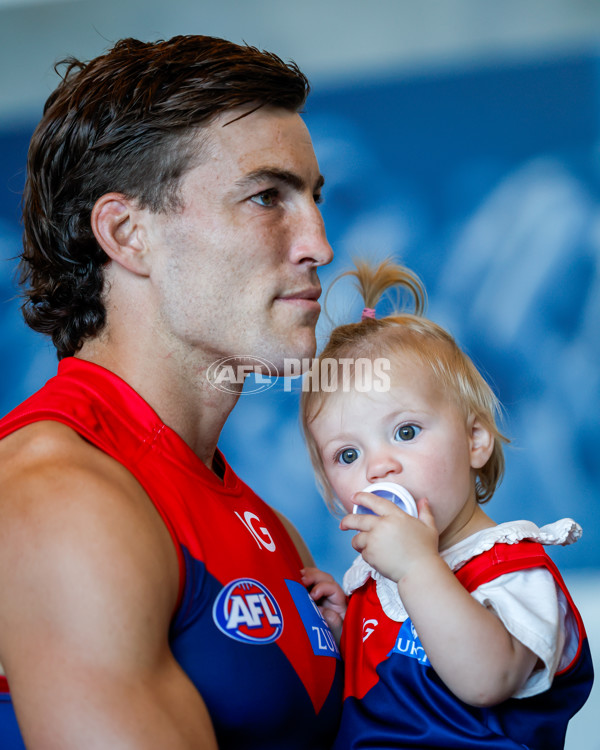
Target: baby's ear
(481, 442)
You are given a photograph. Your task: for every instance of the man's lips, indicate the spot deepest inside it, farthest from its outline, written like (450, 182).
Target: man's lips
(312, 292)
(307, 298)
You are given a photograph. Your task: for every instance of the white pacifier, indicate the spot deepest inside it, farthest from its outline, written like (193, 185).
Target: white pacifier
(399, 495)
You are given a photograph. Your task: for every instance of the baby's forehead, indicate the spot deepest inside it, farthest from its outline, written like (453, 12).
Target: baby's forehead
(348, 401)
(409, 390)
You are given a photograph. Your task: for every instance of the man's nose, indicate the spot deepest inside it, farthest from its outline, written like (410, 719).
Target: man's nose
(310, 244)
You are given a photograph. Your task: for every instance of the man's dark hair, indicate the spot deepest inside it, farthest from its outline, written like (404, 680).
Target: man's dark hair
(126, 122)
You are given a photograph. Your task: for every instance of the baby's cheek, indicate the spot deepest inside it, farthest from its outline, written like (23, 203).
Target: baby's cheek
(342, 490)
(345, 497)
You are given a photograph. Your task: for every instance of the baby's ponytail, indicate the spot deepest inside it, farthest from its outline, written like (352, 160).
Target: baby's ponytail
(372, 281)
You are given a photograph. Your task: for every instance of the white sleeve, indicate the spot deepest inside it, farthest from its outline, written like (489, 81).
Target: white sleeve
(535, 611)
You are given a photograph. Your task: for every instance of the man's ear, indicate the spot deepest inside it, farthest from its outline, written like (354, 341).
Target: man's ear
(117, 225)
(481, 442)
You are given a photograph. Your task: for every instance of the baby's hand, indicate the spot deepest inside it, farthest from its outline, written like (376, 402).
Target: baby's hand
(328, 596)
(392, 541)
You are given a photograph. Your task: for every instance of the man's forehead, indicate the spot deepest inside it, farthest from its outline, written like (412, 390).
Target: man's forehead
(263, 127)
(264, 143)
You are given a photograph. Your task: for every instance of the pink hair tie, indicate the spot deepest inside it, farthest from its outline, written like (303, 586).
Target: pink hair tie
(368, 312)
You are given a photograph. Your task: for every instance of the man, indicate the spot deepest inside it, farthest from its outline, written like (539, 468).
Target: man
(148, 599)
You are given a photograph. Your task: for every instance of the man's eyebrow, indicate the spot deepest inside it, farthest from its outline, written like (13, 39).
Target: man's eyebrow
(281, 175)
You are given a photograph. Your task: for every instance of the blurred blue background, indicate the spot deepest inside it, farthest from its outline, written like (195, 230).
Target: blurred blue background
(459, 136)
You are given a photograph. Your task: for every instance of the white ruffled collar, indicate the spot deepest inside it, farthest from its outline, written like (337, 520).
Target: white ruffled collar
(563, 532)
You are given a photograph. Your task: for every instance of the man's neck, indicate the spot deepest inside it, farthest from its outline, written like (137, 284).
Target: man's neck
(178, 392)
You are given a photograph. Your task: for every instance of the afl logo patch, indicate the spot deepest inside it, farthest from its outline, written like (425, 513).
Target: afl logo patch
(247, 611)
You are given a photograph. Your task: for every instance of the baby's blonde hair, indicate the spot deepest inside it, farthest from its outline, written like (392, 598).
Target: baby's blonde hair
(401, 334)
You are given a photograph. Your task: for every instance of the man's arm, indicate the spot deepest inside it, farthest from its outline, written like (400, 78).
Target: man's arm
(88, 584)
(295, 536)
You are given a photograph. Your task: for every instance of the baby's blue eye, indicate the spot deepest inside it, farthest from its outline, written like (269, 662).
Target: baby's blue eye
(407, 432)
(348, 456)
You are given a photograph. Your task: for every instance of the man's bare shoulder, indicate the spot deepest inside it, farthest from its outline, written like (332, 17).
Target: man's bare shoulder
(46, 448)
(61, 499)
(47, 459)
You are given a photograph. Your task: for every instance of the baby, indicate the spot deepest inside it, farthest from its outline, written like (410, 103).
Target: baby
(459, 632)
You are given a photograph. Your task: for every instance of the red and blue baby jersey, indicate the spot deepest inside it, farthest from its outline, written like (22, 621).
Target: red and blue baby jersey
(245, 630)
(393, 697)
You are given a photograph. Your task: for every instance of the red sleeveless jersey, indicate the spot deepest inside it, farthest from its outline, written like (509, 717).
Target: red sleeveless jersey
(245, 630)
